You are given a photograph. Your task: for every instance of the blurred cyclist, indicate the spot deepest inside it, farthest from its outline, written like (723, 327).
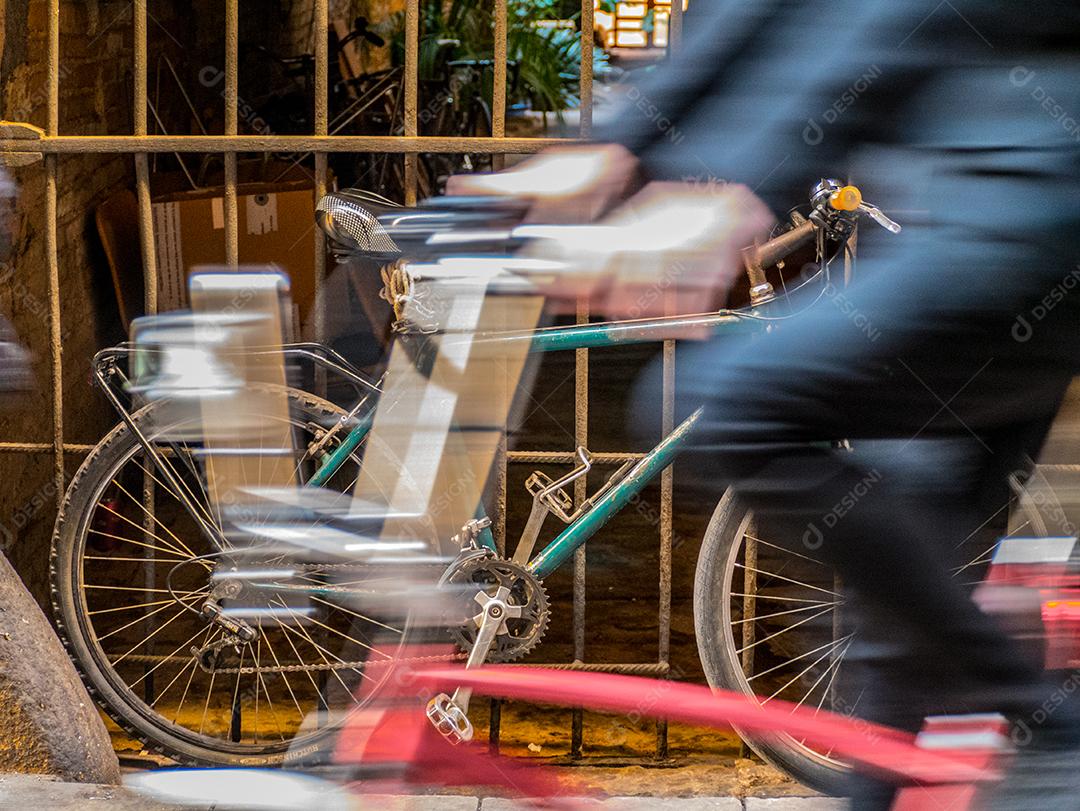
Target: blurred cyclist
(967, 112)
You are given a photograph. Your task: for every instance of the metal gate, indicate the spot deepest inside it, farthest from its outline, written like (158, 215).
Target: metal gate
(49, 143)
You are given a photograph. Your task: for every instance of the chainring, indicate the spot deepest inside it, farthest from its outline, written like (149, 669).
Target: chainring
(526, 590)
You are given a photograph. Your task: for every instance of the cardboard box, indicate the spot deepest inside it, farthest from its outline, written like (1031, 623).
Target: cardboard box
(276, 227)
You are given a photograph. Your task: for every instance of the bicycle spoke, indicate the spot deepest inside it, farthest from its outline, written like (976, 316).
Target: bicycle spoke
(129, 607)
(198, 502)
(300, 631)
(206, 705)
(180, 556)
(284, 678)
(168, 658)
(785, 630)
(783, 549)
(269, 701)
(145, 616)
(782, 613)
(358, 616)
(194, 670)
(184, 553)
(781, 598)
(165, 660)
(152, 517)
(788, 580)
(158, 630)
(834, 665)
(830, 644)
(796, 677)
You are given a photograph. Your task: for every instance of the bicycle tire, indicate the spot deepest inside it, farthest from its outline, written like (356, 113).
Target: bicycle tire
(720, 659)
(101, 679)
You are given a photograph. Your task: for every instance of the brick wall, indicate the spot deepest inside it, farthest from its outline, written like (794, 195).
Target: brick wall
(96, 88)
(95, 98)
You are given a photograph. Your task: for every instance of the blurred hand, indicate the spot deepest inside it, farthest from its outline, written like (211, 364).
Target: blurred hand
(574, 184)
(671, 249)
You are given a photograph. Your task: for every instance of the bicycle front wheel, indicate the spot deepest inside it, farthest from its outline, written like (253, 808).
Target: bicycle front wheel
(128, 574)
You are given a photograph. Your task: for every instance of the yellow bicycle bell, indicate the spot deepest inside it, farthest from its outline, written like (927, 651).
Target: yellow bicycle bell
(848, 198)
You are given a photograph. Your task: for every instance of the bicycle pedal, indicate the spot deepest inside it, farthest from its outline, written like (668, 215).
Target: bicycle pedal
(449, 719)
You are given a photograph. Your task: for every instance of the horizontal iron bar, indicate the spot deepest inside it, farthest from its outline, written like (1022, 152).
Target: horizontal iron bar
(629, 669)
(568, 458)
(276, 143)
(42, 447)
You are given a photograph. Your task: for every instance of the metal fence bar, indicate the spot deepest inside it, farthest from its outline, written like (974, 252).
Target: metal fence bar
(667, 479)
(570, 458)
(412, 93)
(675, 25)
(666, 533)
(585, 88)
(150, 299)
(391, 144)
(52, 257)
(581, 384)
(43, 447)
(581, 439)
(322, 118)
(142, 165)
(232, 81)
(498, 79)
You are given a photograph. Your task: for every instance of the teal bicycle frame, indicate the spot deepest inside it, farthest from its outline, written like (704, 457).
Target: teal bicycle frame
(584, 336)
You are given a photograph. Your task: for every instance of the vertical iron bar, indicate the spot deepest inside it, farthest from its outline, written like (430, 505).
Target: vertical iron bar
(495, 726)
(581, 439)
(322, 117)
(585, 89)
(498, 88)
(667, 479)
(150, 299)
(675, 25)
(232, 74)
(581, 383)
(666, 486)
(412, 91)
(749, 604)
(52, 257)
(498, 162)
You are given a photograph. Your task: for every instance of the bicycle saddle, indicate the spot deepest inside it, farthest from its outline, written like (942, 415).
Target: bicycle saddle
(351, 220)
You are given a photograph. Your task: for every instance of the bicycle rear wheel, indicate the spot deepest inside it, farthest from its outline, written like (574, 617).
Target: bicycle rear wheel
(130, 626)
(769, 622)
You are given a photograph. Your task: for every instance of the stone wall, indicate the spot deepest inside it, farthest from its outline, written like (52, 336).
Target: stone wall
(95, 92)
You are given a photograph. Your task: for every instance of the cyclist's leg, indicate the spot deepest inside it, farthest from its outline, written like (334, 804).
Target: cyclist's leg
(945, 365)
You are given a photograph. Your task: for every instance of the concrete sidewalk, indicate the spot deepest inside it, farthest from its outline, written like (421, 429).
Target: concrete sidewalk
(32, 793)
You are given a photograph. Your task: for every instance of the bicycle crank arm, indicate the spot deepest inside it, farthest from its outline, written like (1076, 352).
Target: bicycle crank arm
(449, 714)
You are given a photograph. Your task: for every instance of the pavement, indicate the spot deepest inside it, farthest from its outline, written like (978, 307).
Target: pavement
(31, 792)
